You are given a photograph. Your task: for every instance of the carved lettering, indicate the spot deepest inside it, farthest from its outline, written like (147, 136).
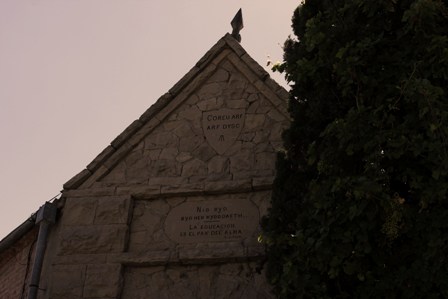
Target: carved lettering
(212, 221)
(222, 127)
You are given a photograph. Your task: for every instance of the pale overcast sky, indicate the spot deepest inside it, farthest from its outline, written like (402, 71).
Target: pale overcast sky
(75, 73)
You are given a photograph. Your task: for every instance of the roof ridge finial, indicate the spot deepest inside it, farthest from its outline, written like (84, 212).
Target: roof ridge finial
(237, 25)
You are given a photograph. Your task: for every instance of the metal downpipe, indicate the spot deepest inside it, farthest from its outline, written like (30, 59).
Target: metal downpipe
(45, 217)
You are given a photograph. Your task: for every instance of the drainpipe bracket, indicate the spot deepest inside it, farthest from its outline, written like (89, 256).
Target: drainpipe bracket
(47, 213)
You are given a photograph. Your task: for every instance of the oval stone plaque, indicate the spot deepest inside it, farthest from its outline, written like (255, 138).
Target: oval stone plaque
(212, 221)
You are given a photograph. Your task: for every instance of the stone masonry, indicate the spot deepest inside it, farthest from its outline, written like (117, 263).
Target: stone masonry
(171, 209)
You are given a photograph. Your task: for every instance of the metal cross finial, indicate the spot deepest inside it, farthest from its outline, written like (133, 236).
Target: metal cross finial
(237, 25)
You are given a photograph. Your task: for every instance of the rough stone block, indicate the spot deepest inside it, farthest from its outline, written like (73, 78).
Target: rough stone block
(190, 143)
(155, 108)
(116, 176)
(184, 129)
(173, 181)
(169, 153)
(153, 257)
(183, 189)
(68, 281)
(147, 128)
(253, 106)
(222, 176)
(152, 154)
(139, 191)
(265, 160)
(254, 121)
(160, 140)
(262, 183)
(79, 211)
(209, 104)
(205, 280)
(137, 173)
(92, 239)
(225, 186)
(184, 81)
(103, 281)
(274, 86)
(218, 164)
(204, 152)
(276, 115)
(183, 157)
(211, 90)
(237, 104)
(210, 251)
(276, 131)
(251, 174)
(269, 94)
(170, 125)
(261, 136)
(134, 156)
(244, 69)
(194, 167)
(220, 75)
(117, 156)
(77, 180)
(192, 113)
(120, 139)
(113, 211)
(210, 54)
(78, 259)
(107, 152)
(234, 45)
(164, 168)
(255, 67)
(243, 161)
(96, 190)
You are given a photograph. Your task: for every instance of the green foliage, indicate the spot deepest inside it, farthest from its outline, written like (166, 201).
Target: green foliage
(360, 207)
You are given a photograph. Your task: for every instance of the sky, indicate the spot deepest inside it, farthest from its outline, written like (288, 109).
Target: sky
(75, 73)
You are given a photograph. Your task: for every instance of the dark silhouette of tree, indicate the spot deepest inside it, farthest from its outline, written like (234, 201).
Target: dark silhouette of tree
(360, 207)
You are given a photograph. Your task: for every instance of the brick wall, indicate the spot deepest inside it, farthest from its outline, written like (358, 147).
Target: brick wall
(16, 265)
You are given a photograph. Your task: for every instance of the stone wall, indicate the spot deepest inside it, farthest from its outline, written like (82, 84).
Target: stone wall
(222, 281)
(172, 208)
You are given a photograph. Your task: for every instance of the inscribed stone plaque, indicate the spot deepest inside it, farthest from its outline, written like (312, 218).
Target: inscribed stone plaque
(222, 127)
(212, 221)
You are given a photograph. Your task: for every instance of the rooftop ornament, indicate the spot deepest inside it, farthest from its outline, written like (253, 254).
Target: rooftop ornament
(237, 25)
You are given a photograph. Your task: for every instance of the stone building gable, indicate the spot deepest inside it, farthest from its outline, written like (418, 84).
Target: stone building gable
(171, 209)
(168, 148)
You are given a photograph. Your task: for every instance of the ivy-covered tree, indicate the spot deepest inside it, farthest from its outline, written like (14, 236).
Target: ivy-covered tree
(360, 201)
